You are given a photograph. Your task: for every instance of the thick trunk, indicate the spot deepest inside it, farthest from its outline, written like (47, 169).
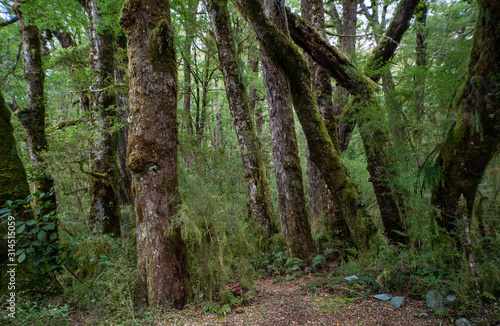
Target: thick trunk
(291, 200)
(32, 117)
(321, 200)
(13, 181)
(250, 147)
(394, 109)
(278, 46)
(345, 120)
(163, 273)
(475, 136)
(105, 204)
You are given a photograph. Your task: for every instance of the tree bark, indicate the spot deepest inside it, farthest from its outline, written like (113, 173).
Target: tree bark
(321, 200)
(345, 120)
(291, 200)
(105, 216)
(13, 180)
(475, 136)
(32, 117)
(163, 273)
(250, 147)
(375, 136)
(278, 46)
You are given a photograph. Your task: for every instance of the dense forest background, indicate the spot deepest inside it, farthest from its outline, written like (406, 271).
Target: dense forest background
(154, 151)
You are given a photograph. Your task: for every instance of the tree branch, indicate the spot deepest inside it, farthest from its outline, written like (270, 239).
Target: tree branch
(8, 22)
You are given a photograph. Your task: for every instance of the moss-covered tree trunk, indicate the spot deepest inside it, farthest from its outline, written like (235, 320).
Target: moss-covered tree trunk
(13, 181)
(105, 204)
(163, 273)
(32, 117)
(322, 206)
(291, 199)
(250, 147)
(475, 136)
(280, 48)
(369, 114)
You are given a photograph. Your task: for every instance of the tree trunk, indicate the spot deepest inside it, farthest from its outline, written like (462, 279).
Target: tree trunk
(32, 117)
(163, 273)
(13, 180)
(375, 136)
(475, 136)
(250, 147)
(323, 153)
(345, 120)
(321, 200)
(421, 49)
(291, 200)
(105, 215)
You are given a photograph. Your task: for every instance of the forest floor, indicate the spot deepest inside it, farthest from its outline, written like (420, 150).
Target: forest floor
(296, 302)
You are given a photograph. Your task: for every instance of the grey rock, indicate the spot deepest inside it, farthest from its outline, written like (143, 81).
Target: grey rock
(398, 302)
(383, 297)
(462, 322)
(434, 300)
(450, 298)
(351, 278)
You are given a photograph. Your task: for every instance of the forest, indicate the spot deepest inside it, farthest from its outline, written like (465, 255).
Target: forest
(250, 162)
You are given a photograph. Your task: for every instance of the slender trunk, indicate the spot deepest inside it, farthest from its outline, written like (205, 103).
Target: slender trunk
(323, 153)
(321, 200)
(105, 204)
(474, 138)
(345, 120)
(394, 109)
(291, 200)
(188, 121)
(163, 273)
(32, 117)
(218, 120)
(375, 136)
(421, 49)
(250, 147)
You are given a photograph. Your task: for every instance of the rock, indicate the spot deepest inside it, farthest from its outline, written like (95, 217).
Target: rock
(462, 322)
(351, 278)
(308, 270)
(434, 300)
(398, 302)
(383, 297)
(450, 298)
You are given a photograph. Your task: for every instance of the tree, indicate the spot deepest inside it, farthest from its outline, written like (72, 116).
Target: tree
(250, 147)
(375, 135)
(163, 274)
(32, 117)
(13, 180)
(105, 205)
(474, 137)
(278, 46)
(321, 200)
(291, 200)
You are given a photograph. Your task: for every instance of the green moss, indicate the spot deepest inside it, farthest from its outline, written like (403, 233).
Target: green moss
(161, 51)
(13, 182)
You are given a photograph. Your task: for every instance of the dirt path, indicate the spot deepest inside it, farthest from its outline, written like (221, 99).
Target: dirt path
(287, 303)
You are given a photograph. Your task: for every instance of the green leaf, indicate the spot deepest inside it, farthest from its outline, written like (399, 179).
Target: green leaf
(21, 228)
(37, 243)
(53, 236)
(42, 235)
(31, 222)
(22, 257)
(20, 251)
(49, 227)
(37, 261)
